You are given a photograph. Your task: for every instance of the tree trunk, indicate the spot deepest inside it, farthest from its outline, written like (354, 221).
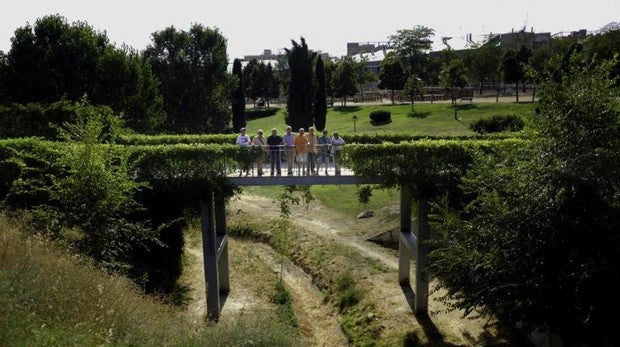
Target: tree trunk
(517, 90)
(480, 91)
(392, 96)
(412, 99)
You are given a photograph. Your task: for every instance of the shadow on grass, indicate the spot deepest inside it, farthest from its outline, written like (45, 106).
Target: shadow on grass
(420, 115)
(346, 109)
(469, 106)
(372, 122)
(435, 338)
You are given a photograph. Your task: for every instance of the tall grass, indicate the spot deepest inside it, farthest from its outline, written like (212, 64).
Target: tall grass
(48, 297)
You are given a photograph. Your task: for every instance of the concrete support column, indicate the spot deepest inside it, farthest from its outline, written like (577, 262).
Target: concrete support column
(404, 255)
(421, 273)
(209, 248)
(220, 230)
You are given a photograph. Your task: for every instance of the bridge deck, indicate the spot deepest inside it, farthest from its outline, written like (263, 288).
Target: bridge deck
(251, 178)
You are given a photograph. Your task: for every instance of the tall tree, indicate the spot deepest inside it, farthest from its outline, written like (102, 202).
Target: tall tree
(301, 86)
(330, 70)
(391, 75)
(195, 85)
(344, 82)
(320, 97)
(411, 47)
(513, 66)
(238, 98)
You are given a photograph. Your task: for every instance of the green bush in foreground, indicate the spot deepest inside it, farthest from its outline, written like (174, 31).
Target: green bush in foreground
(380, 116)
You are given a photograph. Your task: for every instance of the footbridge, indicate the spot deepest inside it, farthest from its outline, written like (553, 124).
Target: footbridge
(215, 239)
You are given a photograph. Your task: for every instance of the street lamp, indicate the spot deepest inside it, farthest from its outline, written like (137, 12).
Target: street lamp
(354, 122)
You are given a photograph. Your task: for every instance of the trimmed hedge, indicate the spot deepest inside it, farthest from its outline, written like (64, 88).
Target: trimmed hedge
(260, 112)
(497, 123)
(380, 116)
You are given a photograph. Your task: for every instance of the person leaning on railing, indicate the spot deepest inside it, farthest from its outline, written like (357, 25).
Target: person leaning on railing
(243, 156)
(288, 140)
(325, 143)
(301, 150)
(337, 144)
(274, 141)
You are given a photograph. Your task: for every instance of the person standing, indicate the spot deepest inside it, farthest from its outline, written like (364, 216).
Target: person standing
(325, 143)
(337, 144)
(289, 147)
(259, 143)
(243, 156)
(301, 151)
(274, 141)
(312, 151)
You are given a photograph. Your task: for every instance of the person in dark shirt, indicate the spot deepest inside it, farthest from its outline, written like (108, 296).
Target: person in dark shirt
(274, 141)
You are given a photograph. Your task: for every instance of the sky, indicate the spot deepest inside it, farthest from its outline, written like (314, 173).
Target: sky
(327, 25)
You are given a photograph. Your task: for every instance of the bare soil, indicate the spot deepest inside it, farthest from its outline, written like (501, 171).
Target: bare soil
(319, 322)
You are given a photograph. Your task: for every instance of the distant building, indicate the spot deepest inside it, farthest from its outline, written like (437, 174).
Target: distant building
(355, 48)
(267, 56)
(525, 38)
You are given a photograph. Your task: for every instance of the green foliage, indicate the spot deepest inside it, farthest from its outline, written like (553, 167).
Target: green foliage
(282, 298)
(152, 140)
(42, 64)
(301, 85)
(411, 46)
(452, 77)
(537, 247)
(260, 112)
(498, 123)
(191, 66)
(380, 116)
(344, 79)
(320, 97)
(238, 98)
(36, 119)
(392, 75)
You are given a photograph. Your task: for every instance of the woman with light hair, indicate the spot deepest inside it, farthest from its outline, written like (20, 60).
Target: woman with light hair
(259, 145)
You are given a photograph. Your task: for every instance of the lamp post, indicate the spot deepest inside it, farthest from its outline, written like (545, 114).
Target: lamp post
(354, 122)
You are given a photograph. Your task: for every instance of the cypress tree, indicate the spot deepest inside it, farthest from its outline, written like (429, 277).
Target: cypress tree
(238, 98)
(320, 100)
(301, 87)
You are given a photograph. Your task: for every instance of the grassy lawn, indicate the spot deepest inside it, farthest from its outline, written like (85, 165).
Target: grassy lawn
(341, 198)
(437, 118)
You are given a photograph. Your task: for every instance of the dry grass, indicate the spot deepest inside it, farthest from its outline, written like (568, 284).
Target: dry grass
(48, 297)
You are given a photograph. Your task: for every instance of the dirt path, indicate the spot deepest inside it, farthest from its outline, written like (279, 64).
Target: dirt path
(318, 321)
(392, 303)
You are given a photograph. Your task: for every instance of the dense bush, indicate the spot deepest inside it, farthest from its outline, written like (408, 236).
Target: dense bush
(497, 123)
(380, 116)
(45, 120)
(260, 112)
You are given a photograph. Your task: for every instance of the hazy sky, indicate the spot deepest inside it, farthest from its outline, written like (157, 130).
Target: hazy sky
(251, 26)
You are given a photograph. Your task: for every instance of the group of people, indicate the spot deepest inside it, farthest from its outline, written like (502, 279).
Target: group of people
(305, 152)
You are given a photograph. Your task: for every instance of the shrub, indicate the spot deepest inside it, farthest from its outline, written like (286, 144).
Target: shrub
(497, 123)
(260, 112)
(380, 116)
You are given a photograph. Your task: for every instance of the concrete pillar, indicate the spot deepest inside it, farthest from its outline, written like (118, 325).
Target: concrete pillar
(421, 273)
(404, 255)
(220, 230)
(209, 249)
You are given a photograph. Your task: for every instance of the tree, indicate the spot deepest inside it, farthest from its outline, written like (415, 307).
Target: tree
(391, 75)
(537, 247)
(253, 80)
(513, 67)
(330, 69)
(272, 90)
(413, 87)
(301, 86)
(344, 79)
(453, 78)
(411, 47)
(483, 63)
(54, 60)
(195, 85)
(320, 97)
(238, 98)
